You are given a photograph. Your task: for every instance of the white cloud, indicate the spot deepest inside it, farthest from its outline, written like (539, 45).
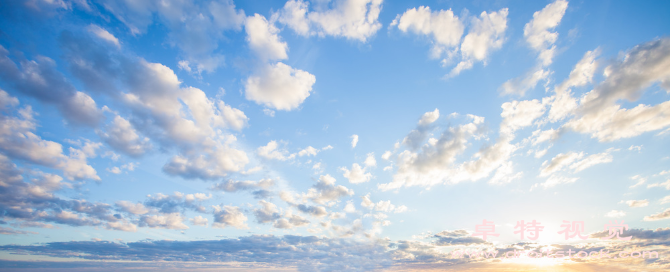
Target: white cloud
(40, 79)
(592, 160)
(562, 102)
(272, 152)
(554, 180)
(114, 170)
(18, 140)
(196, 28)
(640, 181)
(267, 213)
(212, 163)
(539, 35)
(308, 151)
(444, 28)
(199, 221)
(279, 86)
(164, 221)
(263, 39)
(601, 116)
(485, 35)
(538, 32)
(659, 216)
(269, 112)
(559, 162)
(356, 174)
(382, 206)
(519, 86)
(541, 136)
(429, 117)
(387, 155)
(354, 140)
(370, 160)
(637, 203)
(325, 190)
(615, 214)
(519, 114)
(290, 221)
(349, 208)
(104, 34)
(352, 19)
(121, 136)
(505, 174)
(386, 206)
(132, 208)
(229, 216)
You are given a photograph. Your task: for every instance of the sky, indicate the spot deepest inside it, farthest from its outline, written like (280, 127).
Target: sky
(334, 135)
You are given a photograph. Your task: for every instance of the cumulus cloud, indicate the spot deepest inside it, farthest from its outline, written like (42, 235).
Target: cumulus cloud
(444, 28)
(290, 221)
(433, 164)
(351, 19)
(30, 198)
(132, 208)
(196, 28)
(562, 102)
(211, 164)
(199, 221)
(485, 34)
(539, 31)
(169, 114)
(520, 114)
(354, 140)
(271, 151)
(370, 160)
(592, 160)
(104, 34)
(263, 38)
(559, 162)
(229, 216)
(637, 203)
(599, 114)
(164, 221)
(259, 188)
(325, 191)
(18, 140)
(416, 137)
(381, 206)
(659, 216)
(121, 136)
(520, 85)
(541, 38)
(40, 79)
(356, 174)
(279, 86)
(308, 151)
(267, 213)
(615, 214)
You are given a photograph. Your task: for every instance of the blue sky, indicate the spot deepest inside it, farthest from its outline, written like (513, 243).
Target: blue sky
(381, 132)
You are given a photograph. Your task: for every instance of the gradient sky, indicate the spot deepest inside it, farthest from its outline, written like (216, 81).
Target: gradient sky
(330, 135)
